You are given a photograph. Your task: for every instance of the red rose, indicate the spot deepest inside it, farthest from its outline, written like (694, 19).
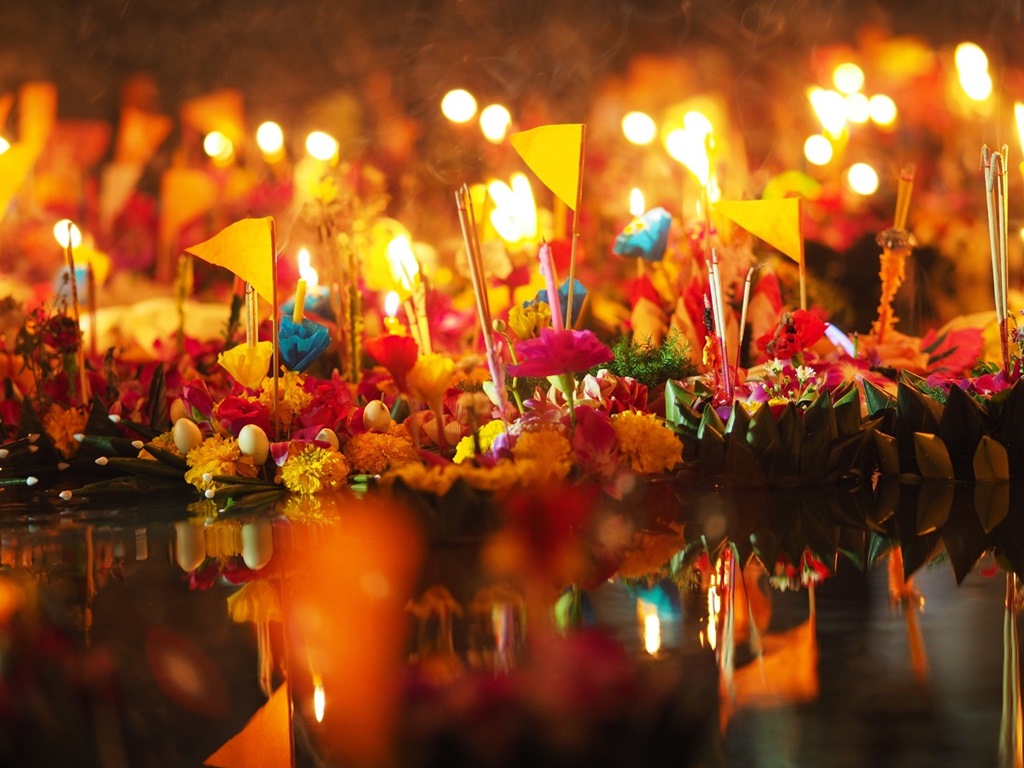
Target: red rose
(235, 412)
(796, 331)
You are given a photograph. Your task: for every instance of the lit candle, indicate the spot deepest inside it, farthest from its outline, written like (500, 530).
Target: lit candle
(300, 301)
(391, 304)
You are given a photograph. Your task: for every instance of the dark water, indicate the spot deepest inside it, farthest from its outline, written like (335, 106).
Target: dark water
(115, 650)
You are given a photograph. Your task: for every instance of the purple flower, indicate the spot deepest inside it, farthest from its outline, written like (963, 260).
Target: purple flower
(557, 352)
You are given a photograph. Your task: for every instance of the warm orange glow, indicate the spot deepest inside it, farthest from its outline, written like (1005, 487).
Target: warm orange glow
(830, 107)
(639, 128)
(270, 138)
(514, 216)
(494, 122)
(862, 179)
(392, 301)
(648, 614)
(818, 150)
(61, 233)
(848, 77)
(321, 146)
(636, 202)
(319, 700)
(218, 147)
(404, 268)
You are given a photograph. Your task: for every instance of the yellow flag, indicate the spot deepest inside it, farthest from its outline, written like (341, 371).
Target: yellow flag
(15, 164)
(777, 222)
(37, 113)
(222, 110)
(246, 249)
(140, 134)
(265, 740)
(555, 154)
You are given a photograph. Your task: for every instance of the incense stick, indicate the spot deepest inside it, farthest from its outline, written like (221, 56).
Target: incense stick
(570, 320)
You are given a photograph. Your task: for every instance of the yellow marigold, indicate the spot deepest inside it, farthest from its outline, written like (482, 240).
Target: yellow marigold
(644, 439)
(487, 434)
(292, 397)
(542, 456)
(434, 479)
(217, 455)
(313, 469)
(651, 552)
(61, 424)
(374, 452)
(164, 441)
(430, 377)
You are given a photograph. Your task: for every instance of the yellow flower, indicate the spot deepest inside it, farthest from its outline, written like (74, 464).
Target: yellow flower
(373, 452)
(399, 431)
(542, 457)
(164, 441)
(430, 376)
(527, 322)
(487, 434)
(61, 424)
(649, 445)
(292, 398)
(651, 552)
(217, 455)
(312, 469)
(434, 479)
(248, 365)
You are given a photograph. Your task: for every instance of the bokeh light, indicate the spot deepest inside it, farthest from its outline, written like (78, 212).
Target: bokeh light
(862, 179)
(639, 128)
(321, 146)
(60, 233)
(218, 147)
(818, 150)
(848, 78)
(882, 109)
(830, 107)
(458, 105)
(494, 122)
(270, 138)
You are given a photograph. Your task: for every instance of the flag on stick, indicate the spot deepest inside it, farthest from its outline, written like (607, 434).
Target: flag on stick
(777, 222)
(245, 248)
(554, 153)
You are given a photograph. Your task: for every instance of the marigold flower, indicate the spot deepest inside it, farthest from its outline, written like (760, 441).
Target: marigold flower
(61, 424)
(486, 435)
(292, 399)
(646, 442)
(375, 452)
(313, 469)
(217, 455)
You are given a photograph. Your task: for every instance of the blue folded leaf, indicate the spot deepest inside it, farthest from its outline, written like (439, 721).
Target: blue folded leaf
(579, 293)
(645, 237)
(302, 343)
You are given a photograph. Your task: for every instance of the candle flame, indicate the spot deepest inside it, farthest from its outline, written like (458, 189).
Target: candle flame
(60, 233)
(515, 213)
(636, 202)
(319, 699)
(648, 613)
(1018, 113)
(690, 146)
(404, 268)
(392, 301)
(830, 107)
(306, 271)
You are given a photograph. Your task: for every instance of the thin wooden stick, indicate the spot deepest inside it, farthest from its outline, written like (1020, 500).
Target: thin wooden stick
(569, 320)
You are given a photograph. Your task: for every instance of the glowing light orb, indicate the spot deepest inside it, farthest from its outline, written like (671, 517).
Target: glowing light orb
(639, 128)
(818, 150)
(862, 179)
(972, 70)
(830, 107)
(321, 146)
(306, 271)
(636, 202)
(392, 301)
(459, 106)
(858, 108)
(4, 145)
(494, 122)
(882, 109)
(218, 147)
(270, 138)
(848, 77)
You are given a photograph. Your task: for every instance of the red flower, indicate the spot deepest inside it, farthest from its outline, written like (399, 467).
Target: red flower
(796, 331)
(235, 412)
(396, 353)
(557, 352)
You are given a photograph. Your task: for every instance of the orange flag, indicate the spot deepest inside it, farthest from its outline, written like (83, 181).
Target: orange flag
(555, 154)
(246, 249)
(185, 194)
(265, 740)
(140, 134)
(37, 113)
(777, 222)
(222, 110)
(15, 164)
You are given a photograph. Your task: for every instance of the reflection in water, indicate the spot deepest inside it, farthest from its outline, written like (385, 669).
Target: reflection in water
(775, 644)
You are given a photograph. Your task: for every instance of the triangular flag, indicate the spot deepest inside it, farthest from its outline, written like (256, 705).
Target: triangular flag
(553, 152)
(117, 182)
(777, 222)
(245, 248)
(222, 110)
(140, 134)
(15, 164)
(185, 194)
(265, 740)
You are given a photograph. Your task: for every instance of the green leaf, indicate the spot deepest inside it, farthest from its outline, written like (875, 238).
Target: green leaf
(888, 454)
(847, 410)
(932, 457)
(877, 399)
(960, 428)
(791, 432)
(157, 411)
(918, 411)
(820, 417)
(145, 467)
(739, 422)
(762, 432)
(991, 461)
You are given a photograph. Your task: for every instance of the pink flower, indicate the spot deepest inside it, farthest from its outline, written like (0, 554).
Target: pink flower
(594, 444)
(615, 393)
(556, 352)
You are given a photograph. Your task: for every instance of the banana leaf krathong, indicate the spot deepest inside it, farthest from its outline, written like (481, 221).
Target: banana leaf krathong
(822, 441)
